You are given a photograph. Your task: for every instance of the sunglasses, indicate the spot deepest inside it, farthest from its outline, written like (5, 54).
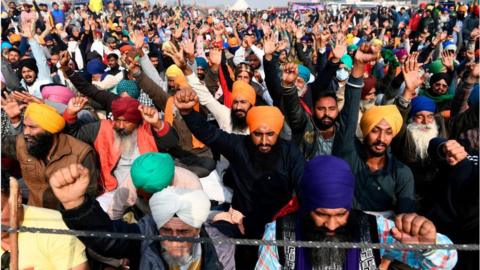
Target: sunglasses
(441, 84)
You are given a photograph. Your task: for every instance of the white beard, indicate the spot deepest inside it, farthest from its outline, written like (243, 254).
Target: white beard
(421, 137)
(126, 144)
(365, 105)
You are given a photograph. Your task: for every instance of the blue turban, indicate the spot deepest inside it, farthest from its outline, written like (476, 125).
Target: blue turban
(304, 73)
(473, 98)
(95, 66)
(327, 182)
(48, 38)
(130, 87)
(6, 45)
(422, 103)
(201, 62)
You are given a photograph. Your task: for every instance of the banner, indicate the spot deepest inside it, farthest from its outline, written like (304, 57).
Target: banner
(296, 7)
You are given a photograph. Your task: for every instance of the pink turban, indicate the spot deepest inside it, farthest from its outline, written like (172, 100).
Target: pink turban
(57, 93)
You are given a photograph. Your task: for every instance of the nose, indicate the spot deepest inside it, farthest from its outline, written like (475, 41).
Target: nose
(424, 121)
(381, 137)
(331, 224)
(121, 124)
(264, 139)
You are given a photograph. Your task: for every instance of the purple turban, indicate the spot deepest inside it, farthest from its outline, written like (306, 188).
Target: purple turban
(327, 182)
(401, 53)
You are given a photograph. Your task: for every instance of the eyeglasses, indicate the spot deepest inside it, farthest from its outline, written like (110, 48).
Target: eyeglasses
(441, 84)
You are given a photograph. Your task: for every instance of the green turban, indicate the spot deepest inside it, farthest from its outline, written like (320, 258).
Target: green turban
(347, 61)
(152, 172)
(436, 67)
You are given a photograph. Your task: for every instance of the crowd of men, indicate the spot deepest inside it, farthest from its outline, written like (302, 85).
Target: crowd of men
(331, 125)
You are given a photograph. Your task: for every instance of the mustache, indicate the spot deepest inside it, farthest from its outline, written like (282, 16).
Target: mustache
(327, 117)
(379, 143)
(239, 110)
(264, 145)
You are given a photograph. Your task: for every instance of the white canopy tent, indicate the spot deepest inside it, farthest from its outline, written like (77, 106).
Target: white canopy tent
(240, 5)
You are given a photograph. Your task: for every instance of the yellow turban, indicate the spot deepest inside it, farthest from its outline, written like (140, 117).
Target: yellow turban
(173, 71)
(46, 117)
(268, 115)
(350, 39)
(377, 42)
(374, 115)
(244, 90)
(95, 5)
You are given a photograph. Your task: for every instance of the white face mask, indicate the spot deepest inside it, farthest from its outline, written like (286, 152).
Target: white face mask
(342, 74)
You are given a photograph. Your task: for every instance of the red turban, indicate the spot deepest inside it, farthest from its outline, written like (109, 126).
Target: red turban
(128, 108)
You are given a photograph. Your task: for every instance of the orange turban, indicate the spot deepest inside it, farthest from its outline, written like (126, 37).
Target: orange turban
(126, 48)
(15, 38)
(268, 115)
(244, 90)
(180, 80)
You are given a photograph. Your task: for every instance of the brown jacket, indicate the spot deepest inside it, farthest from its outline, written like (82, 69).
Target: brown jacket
(67, 150)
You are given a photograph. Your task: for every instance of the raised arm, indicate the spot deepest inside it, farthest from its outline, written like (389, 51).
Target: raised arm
(296, 116)
(218, 140)
(82, 212)
(105, 98)
(344, 144)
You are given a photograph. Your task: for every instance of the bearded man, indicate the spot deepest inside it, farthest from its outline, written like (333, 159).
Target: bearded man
(136, 129)
(411, 145)
(41, 149)
(383, 182)
(323, 212)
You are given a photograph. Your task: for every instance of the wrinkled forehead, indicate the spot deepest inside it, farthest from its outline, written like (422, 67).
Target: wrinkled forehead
(175, 223)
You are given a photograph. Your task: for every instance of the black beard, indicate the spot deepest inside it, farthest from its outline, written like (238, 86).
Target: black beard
(321, 125)
(237, 122)
(374, 153)
(325, 257)
(201, 76)
(40, 146)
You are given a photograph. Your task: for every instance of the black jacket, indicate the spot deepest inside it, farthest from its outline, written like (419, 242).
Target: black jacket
(142, 255)
(263, 183)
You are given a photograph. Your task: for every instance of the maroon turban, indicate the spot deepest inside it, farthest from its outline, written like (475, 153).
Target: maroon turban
(368, 84)
(128, 108)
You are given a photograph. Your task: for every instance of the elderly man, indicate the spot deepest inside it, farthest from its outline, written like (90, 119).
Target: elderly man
(421, 124)
(174, 212)
(324, 213)
(39, 250)
(265, 168)
(411, 144)
(42, 149)
(136, 129)
(383, 183)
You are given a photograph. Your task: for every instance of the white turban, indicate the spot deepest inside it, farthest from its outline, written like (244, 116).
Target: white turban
(191, 206)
